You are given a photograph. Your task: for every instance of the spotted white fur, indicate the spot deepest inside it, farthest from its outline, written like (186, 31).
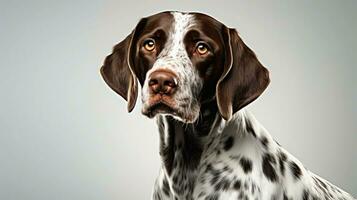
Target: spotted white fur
(284, 187)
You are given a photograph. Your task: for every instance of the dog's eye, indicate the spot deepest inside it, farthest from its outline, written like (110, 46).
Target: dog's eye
(149, 44)
(202, 48)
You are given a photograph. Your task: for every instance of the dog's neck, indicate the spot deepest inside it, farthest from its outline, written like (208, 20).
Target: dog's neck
(183, 143)
(183, 147)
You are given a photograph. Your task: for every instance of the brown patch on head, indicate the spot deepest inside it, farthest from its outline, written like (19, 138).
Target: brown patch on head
(157, 27)
(231, 72)
(210, 67)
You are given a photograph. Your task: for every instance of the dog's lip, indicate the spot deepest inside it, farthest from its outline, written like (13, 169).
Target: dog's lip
(159, 107)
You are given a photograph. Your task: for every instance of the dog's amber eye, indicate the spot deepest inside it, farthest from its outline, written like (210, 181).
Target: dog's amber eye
(202, 48)
(149, 44)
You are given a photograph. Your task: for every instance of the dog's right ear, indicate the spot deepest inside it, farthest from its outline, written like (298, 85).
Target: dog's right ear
(117, 70)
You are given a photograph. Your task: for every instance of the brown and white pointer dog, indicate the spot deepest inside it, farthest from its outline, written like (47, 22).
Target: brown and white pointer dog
(197, 75)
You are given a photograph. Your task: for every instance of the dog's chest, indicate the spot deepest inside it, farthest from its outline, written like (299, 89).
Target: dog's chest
(224, 178)
(220, 176)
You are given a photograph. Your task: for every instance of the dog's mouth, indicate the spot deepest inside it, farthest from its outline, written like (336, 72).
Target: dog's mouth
(159, 107)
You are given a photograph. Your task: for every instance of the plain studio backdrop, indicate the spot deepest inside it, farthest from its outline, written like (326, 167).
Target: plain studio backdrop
(64, 135)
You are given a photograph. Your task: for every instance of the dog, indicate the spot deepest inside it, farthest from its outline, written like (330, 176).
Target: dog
(197, 75)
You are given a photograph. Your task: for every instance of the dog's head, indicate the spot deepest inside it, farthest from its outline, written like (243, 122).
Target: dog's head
(182, 61)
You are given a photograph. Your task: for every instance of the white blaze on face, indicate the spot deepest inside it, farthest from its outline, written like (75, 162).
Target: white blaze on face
(174, 57)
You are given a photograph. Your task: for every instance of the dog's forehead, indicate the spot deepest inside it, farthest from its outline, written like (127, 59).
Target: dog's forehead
(163, 20)
(169, 20)
(204, 20)
(208, 25)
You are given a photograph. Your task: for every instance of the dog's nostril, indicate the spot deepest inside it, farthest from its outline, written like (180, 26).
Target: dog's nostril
(170, 83)
(153, 82)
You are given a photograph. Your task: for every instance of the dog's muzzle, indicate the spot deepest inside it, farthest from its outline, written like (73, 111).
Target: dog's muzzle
(162, 85)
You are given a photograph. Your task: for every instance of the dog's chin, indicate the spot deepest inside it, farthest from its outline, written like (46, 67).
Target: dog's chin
(158, 108)
(161, 108)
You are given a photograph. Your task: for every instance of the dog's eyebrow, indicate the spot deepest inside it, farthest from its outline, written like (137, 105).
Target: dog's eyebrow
(152, 33)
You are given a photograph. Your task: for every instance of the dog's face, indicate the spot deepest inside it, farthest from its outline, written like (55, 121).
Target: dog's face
(184, 60)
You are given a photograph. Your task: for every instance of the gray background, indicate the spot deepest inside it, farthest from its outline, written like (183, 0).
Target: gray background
(65, 135)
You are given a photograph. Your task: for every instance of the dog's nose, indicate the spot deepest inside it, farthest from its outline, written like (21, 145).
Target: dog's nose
(163, 82)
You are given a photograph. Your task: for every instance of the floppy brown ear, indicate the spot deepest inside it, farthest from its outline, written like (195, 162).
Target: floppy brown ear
(117, 70)
(243, 79)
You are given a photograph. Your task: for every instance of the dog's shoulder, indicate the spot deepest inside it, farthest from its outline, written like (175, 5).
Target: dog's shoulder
(247, 163)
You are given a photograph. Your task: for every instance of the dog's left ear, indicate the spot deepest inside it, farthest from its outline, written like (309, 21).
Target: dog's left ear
(243, 79)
